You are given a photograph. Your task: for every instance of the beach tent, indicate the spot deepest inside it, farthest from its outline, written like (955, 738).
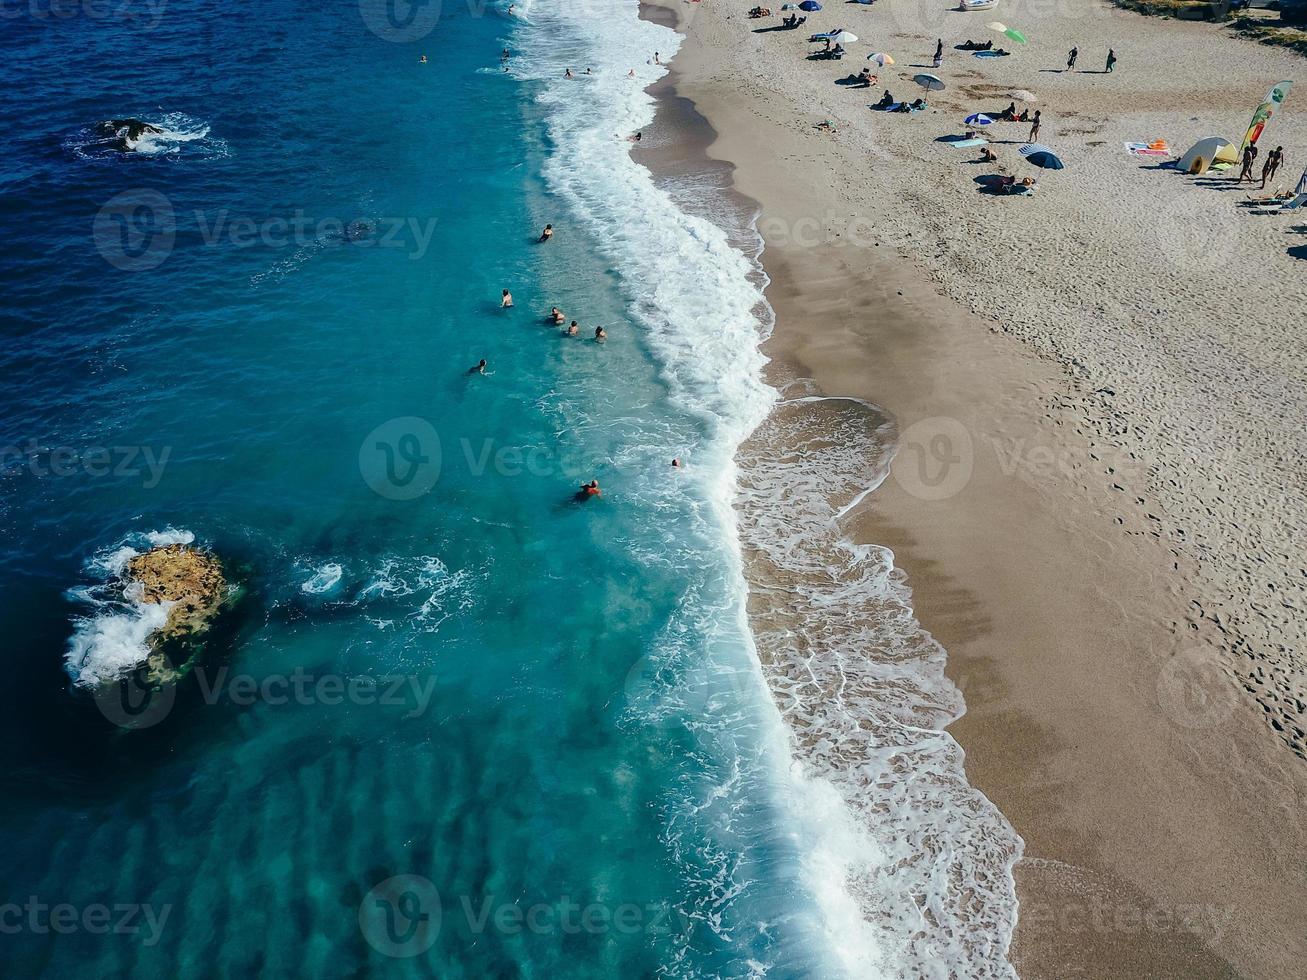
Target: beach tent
(1207, 151)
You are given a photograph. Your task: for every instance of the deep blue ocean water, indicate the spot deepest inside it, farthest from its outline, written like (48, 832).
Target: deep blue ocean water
(256, 334)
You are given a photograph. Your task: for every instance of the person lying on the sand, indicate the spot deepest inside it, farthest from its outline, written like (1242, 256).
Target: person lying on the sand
(970, 45)
(863, 79)
(757, 12)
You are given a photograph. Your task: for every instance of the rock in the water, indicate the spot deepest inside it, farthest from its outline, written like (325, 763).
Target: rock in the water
(127, 132)
(192, 581)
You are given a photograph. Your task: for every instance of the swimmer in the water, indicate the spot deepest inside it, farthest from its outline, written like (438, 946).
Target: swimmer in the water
(631, 73)
(504, 55)
(568, 74)
(547, 234)
(507, 299)
(422, 60)
(479, 369)
(601, 334)
(589, 490)
(676, 463)
(573, 329)
(556, 315)
(634, 139)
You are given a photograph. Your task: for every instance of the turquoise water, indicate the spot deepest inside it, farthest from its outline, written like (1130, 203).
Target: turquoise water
(577, 771)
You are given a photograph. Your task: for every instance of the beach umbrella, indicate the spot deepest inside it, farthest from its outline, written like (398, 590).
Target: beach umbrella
(995, 25)
(1021, 95)
(843, 37)
(1041, 156)
(978, 119)
(880, 59)
(929, 82)
(1302, 183)
(1015, 35)
(810, 5)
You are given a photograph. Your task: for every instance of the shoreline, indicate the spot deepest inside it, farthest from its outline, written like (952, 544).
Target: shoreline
(1065, 618)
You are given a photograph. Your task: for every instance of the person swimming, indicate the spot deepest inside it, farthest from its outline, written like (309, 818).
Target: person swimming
(676, 463)
(573, 329)
(556, 315)
(600, 334)
(479, 369)
(568, 74)
(422, 60)
(589, 490)
(506, 300)
(547, 234)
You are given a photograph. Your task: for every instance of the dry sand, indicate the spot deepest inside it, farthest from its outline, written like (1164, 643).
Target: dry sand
(1098, 495)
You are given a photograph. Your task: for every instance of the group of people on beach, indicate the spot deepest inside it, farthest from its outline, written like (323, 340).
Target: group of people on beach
(1274, 160)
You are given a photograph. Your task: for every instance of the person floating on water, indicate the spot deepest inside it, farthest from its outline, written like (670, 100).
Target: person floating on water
(600, 334)
(589, 490)
(556, 314)
(1071, 57)
(506, 300)
(1111, 60)
(547, 234)
(676, 463)
(568, 74)
(479, 369)
(422, 60)
(573, 329)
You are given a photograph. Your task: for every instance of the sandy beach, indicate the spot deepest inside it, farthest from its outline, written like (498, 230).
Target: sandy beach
(1096, 396)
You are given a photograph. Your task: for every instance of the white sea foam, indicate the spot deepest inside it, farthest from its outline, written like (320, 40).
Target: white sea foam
(325, 578)
(112, 638)
(910, 866)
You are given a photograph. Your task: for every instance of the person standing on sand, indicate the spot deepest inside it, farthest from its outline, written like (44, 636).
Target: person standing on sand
(1273, 161)
(1034, 128)
(1249, 158)
(1111, 60)
(1071, 59)
(939, 51)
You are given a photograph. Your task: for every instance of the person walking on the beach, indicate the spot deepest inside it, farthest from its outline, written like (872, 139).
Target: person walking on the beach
(1249, 158)
(1034, 128)
(1111, 60)
(1071, 59)
(939, 51)
(1273, 161)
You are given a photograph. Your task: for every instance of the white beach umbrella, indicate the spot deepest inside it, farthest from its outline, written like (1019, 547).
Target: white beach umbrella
(843, 37)
(1021, 95)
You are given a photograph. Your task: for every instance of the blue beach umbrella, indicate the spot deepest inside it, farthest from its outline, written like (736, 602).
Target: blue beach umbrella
(978, 119)
(810, 5)
(1039, 155)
